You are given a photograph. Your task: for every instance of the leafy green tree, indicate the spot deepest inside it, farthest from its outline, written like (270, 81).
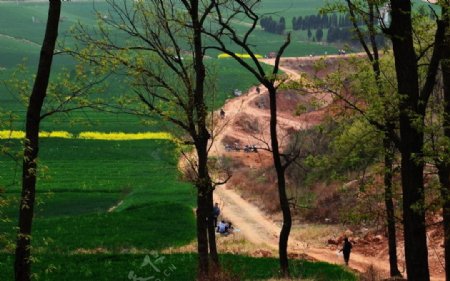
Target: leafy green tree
(319, 34)
(371, 48)
(442, 150)
(412, 107)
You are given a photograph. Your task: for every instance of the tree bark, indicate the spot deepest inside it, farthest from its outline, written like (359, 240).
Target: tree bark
(22, 266)
(202, 238)
(444, 180)
(390, 211)
(444, 165)
(203, 211)
(212, 232)
(280, 170)
(204, 192)
(411, 134)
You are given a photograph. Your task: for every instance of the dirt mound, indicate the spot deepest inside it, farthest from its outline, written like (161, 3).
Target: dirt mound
(247, 123)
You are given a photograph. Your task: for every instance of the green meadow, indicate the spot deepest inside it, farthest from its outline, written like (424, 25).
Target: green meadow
(102, 206)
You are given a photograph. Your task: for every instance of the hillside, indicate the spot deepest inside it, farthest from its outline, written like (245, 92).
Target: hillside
(249, 202)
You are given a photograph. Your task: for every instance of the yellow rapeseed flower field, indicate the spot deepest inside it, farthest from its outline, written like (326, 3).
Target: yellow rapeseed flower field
(6, 134)
(125, 136)
(56, 134)
(243, 56)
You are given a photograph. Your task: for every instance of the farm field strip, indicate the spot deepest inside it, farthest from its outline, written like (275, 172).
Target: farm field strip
(113, 136)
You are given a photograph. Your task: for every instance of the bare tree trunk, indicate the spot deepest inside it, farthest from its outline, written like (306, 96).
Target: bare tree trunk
(22, 266)
(203, 211)
(201, 112)
(444, 166)
(212, 232)
(202, 238)
(205, 229)
(280, 170)
(412, 139)
(444, 179)
(388, 200)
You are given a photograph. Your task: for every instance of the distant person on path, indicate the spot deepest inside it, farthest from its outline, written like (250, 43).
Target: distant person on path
(346, 249)
(258, 90)
(216, 213)
(222, 113)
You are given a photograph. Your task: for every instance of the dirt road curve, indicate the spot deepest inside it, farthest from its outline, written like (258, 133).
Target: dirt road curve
(254, 225)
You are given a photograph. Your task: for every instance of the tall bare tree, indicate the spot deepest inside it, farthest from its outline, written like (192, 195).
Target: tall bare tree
(22, 264)
(158, 45)
(412, 109)
(226, 13)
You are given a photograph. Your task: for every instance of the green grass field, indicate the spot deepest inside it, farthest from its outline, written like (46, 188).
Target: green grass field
(21, 40)
(22, 16)
(227, 76)
(172, 267)
(75, 237)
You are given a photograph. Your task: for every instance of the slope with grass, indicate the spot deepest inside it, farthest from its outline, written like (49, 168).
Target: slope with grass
(83, 181)
(105, 205)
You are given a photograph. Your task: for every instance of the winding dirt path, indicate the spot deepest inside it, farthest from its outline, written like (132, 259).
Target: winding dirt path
(253, 224)
(258, 229)
(247, 104)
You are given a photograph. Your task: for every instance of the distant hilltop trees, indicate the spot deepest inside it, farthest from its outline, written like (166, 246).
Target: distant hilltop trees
(321, 21)
(327, 27)
(340, 26)
(273, 26)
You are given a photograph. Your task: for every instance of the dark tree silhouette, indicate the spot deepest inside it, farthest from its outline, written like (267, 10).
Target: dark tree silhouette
(22, 266)
(227, 33)
(412, 109)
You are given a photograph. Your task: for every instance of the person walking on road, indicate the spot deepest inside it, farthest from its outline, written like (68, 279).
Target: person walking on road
(346, 249)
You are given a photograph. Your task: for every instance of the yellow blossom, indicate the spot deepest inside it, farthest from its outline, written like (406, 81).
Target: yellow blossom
(243, 56)
(125, 136)
(7, 134)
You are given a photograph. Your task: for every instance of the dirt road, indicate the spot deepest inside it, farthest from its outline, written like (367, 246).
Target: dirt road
(254, 225)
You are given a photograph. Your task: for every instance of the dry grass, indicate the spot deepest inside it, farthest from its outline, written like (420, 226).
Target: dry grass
(248, 123)
(316, 234)
(233, 243)
(371, 274)
(257, 186)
